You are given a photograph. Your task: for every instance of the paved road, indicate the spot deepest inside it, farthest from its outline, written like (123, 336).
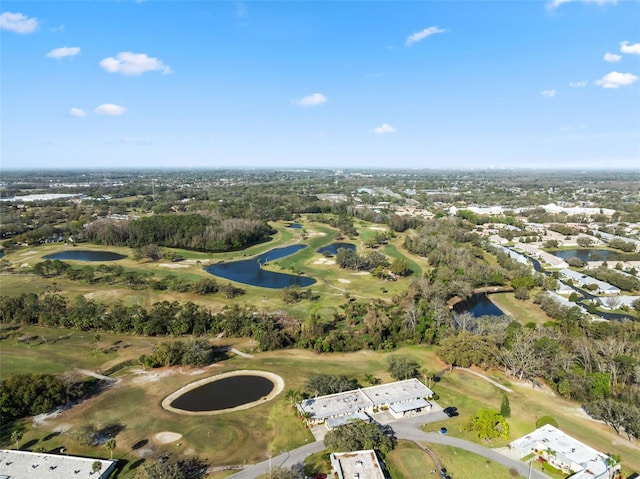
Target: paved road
(408, 429)
(285, 460)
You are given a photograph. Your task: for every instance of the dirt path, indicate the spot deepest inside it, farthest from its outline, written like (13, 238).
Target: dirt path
(240, 353)
(495, 383)
(86, 372)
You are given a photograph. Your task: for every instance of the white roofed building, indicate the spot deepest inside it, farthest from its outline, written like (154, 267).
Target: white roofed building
(356, 465)
(564, 452)
(29, 465)
(400, 398)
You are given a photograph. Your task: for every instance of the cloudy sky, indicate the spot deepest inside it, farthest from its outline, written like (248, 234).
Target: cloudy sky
(420, 84)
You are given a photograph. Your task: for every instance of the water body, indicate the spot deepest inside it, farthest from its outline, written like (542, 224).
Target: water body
(478, 305)
(589, 254)
(334, 247)
(84, 255)
(224, 394)
(296, 226)
(250, 271)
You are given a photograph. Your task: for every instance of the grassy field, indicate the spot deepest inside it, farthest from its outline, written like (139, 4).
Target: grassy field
(408, 461)
(462, 464)
(333, 284)
(523, 311)
(270, 427)
(134, 402)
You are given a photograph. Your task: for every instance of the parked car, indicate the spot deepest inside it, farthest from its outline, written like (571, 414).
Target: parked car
(443, 430)
(451, 411)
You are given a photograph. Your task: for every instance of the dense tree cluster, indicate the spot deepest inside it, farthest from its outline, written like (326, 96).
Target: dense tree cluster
(359, 435)
(30, 394)
(190, 231)
(195, 352)
(323, 384)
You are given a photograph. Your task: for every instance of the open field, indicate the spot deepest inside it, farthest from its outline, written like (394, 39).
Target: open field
(408, 461)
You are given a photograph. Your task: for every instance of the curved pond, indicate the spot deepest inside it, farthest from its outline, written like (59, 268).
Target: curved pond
(250, 271)
(85, 255)
(334, 247)
(296, 226)
(478, 305)
(223, 393)
(589, 254)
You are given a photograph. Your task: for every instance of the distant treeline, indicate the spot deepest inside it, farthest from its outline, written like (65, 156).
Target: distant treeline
(189, 231)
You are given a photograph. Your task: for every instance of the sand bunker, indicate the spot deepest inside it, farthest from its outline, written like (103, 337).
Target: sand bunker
(166, 437)
(344, 281)
(173, 265)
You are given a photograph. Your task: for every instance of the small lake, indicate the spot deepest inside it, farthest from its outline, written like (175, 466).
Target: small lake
(85, 255)
(478, 305)
(224, 393)
(334, 247)
(296, 226)
(250, 271)
(589, 254)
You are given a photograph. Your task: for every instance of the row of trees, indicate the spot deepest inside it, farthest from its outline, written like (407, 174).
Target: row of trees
(117, 275)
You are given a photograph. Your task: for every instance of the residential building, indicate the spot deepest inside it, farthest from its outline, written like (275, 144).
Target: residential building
(356, 465)
(400, 399)
(28, 465)
(565, 453)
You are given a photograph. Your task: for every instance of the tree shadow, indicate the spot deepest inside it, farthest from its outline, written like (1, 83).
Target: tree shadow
(136, 464)
(111, 430)
(48, 437)
(30, 444)
(140, 444)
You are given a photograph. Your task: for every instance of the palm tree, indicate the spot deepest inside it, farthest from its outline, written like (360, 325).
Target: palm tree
(110, 444)
(15, 437)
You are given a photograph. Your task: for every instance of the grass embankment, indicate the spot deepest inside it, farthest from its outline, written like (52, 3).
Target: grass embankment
(522, 311)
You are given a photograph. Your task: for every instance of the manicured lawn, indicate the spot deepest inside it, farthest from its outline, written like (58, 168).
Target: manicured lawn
(408, 461)
(462, 464)
(522, 311)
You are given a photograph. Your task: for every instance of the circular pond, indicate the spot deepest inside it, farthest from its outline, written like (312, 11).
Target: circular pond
(85, 255)
(227, 392)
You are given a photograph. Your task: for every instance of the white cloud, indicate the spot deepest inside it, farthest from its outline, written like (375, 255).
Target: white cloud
(631, 49)
(63, 52)
(418, 36)
(578, 84)
(77, 112)
(384, 129)
(553, 4)
(616, 79)
(312, 100)
(18, 23)
(548, 93)
(612, 57)
(110, 109)
(130, 64)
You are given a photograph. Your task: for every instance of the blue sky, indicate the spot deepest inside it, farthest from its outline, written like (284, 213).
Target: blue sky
(421, 84)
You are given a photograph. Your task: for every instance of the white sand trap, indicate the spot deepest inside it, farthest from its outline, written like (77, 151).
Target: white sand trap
(167, 437)
(27, 253)
(345, 281)
(173, 265)
(377, 228)
(320, 261)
